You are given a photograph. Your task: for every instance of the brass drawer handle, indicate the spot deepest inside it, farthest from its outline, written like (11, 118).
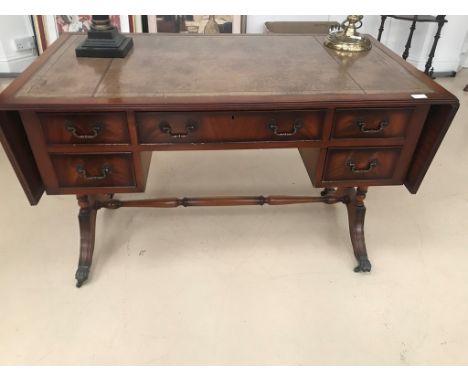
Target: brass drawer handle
(106, 170)
(362, 124)
(96, 130)
(166, 128)
(352, 166)
(297, 125)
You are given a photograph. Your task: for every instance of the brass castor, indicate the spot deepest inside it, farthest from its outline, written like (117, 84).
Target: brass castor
(81, 275)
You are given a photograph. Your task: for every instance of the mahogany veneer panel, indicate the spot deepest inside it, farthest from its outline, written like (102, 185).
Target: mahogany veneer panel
(361, 164)
(437, 123)
(18, 150)
(229, 127)
(371, 123)
(120, 170)
(87, 128)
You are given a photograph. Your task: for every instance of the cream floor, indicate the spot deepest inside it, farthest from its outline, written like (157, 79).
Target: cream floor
(242, 285)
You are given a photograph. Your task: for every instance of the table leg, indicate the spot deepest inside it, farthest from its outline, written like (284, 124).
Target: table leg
(352, 197)
(87, 222)
(356, 214)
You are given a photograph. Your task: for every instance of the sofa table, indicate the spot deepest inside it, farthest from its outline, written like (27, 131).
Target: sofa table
(88, 126)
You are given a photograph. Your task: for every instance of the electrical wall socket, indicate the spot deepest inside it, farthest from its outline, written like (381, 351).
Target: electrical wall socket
(24, 43)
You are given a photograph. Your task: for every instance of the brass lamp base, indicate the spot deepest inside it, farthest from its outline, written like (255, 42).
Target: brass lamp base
(347, 39)
(339, 41)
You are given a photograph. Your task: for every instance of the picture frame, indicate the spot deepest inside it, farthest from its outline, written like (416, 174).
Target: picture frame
(47, 28)
(195, 23)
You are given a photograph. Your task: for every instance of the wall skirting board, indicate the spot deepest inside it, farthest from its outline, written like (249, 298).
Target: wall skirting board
(9, 75)
(15, 64)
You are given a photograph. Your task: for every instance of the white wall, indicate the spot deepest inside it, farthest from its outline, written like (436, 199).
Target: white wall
(452, 49)
(11, 27)
(465, 52)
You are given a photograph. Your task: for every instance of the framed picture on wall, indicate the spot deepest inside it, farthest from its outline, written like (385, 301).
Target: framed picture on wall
(196, 24)
(49, 28)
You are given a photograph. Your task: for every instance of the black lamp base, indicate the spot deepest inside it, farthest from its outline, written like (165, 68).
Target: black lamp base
(105, 44)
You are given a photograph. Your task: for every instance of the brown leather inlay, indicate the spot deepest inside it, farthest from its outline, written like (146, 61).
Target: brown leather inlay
(220, 65)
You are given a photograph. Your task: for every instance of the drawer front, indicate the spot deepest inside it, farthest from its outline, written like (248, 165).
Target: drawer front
(198, 127)
(85, 128)
(371, 123)
(94, 170)
(361, 164)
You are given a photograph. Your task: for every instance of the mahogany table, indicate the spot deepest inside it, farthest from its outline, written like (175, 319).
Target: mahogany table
(88, 126)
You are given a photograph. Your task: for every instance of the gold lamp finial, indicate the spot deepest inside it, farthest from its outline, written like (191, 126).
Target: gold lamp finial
(346, 38)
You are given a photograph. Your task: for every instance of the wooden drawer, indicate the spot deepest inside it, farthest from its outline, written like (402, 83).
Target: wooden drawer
(94, 170)
(361, 164)
(85, 128)
(197, 127)
(371, 123)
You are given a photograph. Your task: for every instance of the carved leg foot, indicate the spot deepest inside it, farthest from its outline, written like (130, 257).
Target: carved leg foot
(81, 275)
(364, 264)
(326, 191)
(356, 215)
(87, 221)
